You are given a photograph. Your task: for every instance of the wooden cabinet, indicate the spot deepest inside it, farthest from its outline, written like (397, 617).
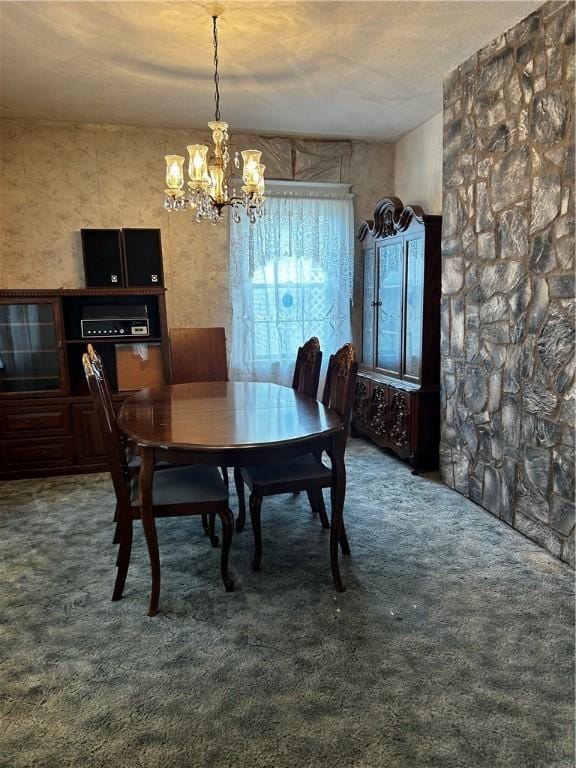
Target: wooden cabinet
(397, 392)
(47, 424)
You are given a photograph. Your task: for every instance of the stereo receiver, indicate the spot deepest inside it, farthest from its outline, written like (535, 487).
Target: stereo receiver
(110, 322)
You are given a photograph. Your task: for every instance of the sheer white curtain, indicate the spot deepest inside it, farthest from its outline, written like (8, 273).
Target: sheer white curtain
(291, 278)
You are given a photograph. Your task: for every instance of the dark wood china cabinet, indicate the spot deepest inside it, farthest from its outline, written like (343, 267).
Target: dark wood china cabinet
(397, 392)
(47, 420)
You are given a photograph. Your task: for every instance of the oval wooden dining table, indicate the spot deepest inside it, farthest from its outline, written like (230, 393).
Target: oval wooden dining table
(232, 424)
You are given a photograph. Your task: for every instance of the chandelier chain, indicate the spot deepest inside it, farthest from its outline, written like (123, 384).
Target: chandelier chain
(216, 76)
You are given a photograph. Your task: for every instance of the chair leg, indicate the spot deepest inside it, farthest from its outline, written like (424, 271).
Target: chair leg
(344, 546)
(206, 525)
(116, 537)
(239, 483)
(227, 519)
(255, 503)
(123, 559)
(149, 525)
(224, 471)
(316, 500)
(214, 540)
(337, 494)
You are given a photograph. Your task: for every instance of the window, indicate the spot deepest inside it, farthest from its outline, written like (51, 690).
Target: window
(290, 279)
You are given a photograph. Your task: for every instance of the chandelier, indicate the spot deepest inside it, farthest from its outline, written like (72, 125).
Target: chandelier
(211, 184)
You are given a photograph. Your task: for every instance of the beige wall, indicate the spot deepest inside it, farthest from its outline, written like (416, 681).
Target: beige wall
(56, 178)
(418, 166)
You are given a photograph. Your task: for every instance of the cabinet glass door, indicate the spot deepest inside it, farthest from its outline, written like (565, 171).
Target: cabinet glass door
(414, 308)
(389, 353)
(30, 360)
(369, 297)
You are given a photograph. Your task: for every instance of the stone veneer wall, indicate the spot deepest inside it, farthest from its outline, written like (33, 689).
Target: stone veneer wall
(508, 395)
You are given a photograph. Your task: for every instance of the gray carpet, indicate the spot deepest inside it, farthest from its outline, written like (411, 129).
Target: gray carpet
(452, 645)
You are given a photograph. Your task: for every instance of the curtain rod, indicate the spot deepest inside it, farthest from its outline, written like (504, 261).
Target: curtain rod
(336, 186)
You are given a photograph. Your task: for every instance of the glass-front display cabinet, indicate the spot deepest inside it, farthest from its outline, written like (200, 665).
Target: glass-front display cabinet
(31, 357)
(48, 425)
(398, 383)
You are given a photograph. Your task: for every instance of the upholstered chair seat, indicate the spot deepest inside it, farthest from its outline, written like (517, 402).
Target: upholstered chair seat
(183, 485)
(267, 480)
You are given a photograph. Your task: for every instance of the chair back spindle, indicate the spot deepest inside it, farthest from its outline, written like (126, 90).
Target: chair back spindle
(340, 385)
(106, 418)
(100, 372)
(307, 368)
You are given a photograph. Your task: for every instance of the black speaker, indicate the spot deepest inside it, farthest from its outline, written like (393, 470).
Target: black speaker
(103, 261)
(143, 257)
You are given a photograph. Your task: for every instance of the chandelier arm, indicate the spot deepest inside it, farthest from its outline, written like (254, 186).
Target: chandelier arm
(216, 76)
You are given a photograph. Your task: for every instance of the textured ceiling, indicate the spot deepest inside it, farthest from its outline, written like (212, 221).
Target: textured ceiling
(352, 69)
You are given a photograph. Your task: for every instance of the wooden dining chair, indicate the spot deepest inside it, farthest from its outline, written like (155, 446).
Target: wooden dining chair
(307, 473)
(305, 379)
(177, 491)
(133, 459)
(198, 354)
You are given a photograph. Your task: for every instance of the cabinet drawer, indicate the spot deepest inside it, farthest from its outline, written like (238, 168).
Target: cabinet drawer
(43, 452)
(50, 419)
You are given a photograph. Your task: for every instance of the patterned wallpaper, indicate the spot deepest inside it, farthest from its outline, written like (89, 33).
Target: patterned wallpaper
(56, 178)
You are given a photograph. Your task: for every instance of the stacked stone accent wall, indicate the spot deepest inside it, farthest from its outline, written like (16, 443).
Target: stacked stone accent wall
(508, 393)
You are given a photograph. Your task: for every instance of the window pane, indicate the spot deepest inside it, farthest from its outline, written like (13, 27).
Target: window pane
(290, 304)
(390, 309)
(368, 309)
(414, 297)
(29, 359)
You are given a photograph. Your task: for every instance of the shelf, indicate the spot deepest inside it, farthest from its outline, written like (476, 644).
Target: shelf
(117, 340)
(31, 324)
(23, 293)
(28, 378)
(28, 351)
